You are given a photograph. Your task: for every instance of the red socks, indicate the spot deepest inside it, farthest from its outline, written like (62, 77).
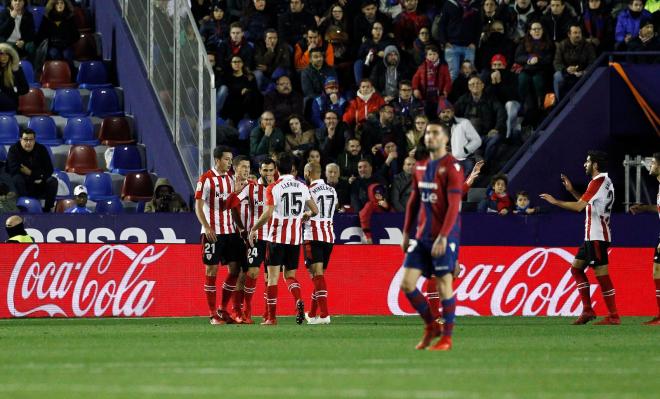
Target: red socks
(228, 288)
(312, 310)
(657, 293)
(583, 288)
(608, 293)
(433, 296)
(294, 288)
(238, 301)
(209, 289)
(249, 288)
(321, 293)
(271, 292)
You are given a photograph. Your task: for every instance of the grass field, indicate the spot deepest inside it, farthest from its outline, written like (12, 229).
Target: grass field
(354, 357)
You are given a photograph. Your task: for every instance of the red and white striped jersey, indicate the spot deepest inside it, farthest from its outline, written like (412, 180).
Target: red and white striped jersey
(288, 196)
(599, 198)
(214, 189)
(320, 227)
(253, 204)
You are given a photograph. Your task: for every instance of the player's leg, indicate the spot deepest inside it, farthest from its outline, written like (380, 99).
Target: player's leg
(238, 295)
(445, 284)
(309, 261)
(271, 293)
(582, 285)
(318, 270)
(290, 268)
(433, 296)
(210, 259)
(248, 292)
(656, 279)
(608, 292)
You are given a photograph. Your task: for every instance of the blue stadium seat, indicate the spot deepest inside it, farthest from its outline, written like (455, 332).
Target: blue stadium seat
(99, 186)
(68, 103)
(64, 185)
(9, 129)
(245, 126)
(126, 159)
(104, 102)
(111, 206)
(28, 71)
(37, 14)
(46, 130)
(29, 205)
(80, 130)
(92, 75)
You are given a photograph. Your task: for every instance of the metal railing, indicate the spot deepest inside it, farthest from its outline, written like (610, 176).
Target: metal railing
(174, 56)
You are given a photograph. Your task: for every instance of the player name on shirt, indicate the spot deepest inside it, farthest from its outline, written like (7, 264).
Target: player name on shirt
(600, 199)
(288, 196)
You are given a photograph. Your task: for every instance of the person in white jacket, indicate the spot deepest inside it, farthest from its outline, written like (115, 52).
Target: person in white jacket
(465, 140)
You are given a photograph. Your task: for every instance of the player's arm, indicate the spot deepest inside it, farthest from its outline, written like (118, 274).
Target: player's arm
(577, 206)
(454, 196)
(569, 187)
(412, 208)
(199, 212)
(641, 208)
(235, 214)
(312, 210)
(263, 219)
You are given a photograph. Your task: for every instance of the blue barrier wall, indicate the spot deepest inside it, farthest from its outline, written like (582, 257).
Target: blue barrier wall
(139, 98)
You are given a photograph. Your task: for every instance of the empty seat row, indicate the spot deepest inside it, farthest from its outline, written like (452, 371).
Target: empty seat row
(68, 102)
(82, 160)
(57, 74)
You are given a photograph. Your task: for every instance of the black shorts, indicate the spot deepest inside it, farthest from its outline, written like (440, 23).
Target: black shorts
(286, 255)
(317, 252)
(593, 253)
(226, 249)
(656, 255)
(257, 254)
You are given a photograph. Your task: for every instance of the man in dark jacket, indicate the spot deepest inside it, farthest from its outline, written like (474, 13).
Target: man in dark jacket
(572, 57)
(349, 158)
(402, 185)
(272, 58)
(457, 29)
(486, 114)
(31, 169)
(557, 20)
(386, 75)
(340, 184)
(283, 102)
(502, 84)
(236, 45)
(332, 136)
(314, 76)
(360, 185)
(24, 41)
(293, 24)
(645, 41)
(363, 22)
(378, 131)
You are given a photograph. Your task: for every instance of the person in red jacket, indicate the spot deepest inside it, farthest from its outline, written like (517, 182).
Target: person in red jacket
(431, 81)
(377, 204)
(367, 101)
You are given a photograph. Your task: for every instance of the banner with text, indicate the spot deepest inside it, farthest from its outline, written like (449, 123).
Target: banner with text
(100, 280)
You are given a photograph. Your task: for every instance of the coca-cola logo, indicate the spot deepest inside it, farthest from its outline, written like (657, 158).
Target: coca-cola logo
(521, 288)
(35, 288)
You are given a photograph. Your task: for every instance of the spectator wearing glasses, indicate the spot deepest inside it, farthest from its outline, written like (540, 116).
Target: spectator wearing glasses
(13, 83)
(31, 169)
(406, 106)
(535, 53)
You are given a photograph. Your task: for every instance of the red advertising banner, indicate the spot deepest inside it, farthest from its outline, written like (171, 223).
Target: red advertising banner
(96, 280)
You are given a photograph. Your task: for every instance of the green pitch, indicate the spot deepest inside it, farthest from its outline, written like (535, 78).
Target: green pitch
(354, 357)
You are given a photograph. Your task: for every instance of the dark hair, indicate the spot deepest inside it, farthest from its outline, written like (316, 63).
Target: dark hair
(600, 158)
(367, 160)
(656, 155)
(4, 189)
(574, 24)
(405, 82)
(270, 30)
(522, 193)
(330, 111)
(499, 176)
(432, 47)
(267, 161)
(27, 130)
(285, 163)
(235, 25)
(316, 50)
(219, 150)
(443, 126)
(240, 158)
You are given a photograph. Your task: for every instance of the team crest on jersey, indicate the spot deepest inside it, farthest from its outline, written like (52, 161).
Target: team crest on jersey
(199, 186)
(209, 256)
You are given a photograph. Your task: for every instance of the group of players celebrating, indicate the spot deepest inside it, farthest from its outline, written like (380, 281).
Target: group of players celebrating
(246, 223)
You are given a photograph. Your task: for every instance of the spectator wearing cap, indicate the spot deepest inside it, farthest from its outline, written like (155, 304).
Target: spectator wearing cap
(312, 40)
(313, 77)
(387, 74)
(272, 59)
(367, 101)
(332, 136)
(629, 21)
(486, 114)
(408, 23)
(31, 169)
(557, 20)
(432, 80)
(458, 28)
(80, 195)
(572, 57)
(465, 141)
(378, 131)
(502, 84)
(645, 41)
(214, 27)
(330, 100)
(293, 24)
(283, 101)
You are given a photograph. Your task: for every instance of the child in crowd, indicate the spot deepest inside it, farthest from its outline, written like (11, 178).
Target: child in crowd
(523, 205)
(377, 204)
(497, 200)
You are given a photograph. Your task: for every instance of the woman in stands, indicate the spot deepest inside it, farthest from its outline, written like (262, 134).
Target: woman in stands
(535, 53)
(17, 28)
(59, 29)
(300, 137)
(12, 79)
(243, 96)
